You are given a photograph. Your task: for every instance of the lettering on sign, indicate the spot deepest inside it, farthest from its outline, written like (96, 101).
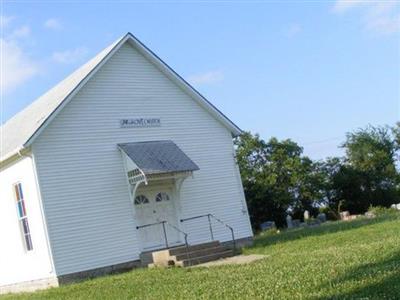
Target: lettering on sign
(140, 122)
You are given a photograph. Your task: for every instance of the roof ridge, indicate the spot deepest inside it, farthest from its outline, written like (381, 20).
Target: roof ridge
(24, 124)
(22, 129)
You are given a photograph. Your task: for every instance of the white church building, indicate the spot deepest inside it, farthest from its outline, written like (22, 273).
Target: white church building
(121, 158)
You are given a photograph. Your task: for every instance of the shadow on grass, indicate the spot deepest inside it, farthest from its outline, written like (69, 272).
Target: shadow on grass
(327, 228)
(388, 287)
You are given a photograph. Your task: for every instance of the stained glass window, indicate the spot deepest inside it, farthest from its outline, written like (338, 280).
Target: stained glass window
(141, 199)
(162, 197)
(23, 219)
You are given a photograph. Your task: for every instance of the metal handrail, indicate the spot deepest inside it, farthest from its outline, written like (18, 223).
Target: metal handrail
(210, 226)
(148, 225)
(165, 233)
(185, 235)
(163, 227)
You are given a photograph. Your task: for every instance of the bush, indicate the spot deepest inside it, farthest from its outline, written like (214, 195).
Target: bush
(380, 211)
(330, 213)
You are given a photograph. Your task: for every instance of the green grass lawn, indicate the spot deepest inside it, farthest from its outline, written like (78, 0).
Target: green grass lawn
(341, 260)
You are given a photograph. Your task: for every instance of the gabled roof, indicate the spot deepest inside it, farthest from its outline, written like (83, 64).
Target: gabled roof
(158, 157)
(20, 131)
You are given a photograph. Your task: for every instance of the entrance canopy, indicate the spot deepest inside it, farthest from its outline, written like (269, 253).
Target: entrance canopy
(155, 160)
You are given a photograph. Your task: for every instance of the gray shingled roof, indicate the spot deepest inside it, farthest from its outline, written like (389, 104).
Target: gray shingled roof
(158, 157)
(18, 130)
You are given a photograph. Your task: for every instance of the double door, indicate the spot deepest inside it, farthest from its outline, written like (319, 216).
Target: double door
(154, 205)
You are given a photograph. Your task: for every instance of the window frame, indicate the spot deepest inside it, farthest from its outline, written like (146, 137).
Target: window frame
(162, 197)
(142, 202)
(22, 216)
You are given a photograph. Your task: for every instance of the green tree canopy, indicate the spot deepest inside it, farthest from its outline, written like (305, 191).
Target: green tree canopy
(368, 175)
(279, 179)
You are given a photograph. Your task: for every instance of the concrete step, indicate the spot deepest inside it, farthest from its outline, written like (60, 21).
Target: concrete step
(204, 259)
(182, 249)
(188, 256)
(200, 252)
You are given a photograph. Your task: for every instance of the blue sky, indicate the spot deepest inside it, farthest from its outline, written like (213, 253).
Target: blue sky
(306, 70)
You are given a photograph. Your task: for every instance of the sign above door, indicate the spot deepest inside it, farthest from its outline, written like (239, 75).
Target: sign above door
(140, 122)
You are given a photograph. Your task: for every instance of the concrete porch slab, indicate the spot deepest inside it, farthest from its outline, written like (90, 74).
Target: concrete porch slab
(234, 260)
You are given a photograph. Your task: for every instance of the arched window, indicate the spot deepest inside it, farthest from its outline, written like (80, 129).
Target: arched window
(162, 197)
(141, 199)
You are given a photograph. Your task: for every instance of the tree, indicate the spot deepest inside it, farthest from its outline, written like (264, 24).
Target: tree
(329, 168)
(396, 135)
(372, 150)
(309, 188)
(368, 175)
(277, 178)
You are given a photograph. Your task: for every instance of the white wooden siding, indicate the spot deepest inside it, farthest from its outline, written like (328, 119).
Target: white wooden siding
(16, 264)
(89, 214)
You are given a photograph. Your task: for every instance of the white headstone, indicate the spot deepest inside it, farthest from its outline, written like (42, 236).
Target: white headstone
(289, 221)
(306, 215)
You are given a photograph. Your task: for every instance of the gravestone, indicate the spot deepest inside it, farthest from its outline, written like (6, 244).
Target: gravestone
(369, 215)
(296, 223)
(268, 225)
(344, 215)
(321, 217)
(306, 215)
(289, 222)
(395, 206)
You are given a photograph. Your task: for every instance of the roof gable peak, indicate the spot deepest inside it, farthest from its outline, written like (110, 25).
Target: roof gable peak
(22, 129)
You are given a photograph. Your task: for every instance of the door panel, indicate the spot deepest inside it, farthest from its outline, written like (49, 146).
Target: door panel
(165, 207)
(156, 205)
(149, 236)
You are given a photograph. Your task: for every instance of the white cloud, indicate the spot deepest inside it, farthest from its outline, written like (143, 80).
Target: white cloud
(385, 25)
(206, 78)
(381, 17)
(16, 66)
(384, 17)
(53, 24)
(70, 56)
(21, 32)
(293, 29)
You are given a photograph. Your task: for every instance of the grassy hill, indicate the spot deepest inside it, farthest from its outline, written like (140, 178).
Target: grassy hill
(341, 260)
